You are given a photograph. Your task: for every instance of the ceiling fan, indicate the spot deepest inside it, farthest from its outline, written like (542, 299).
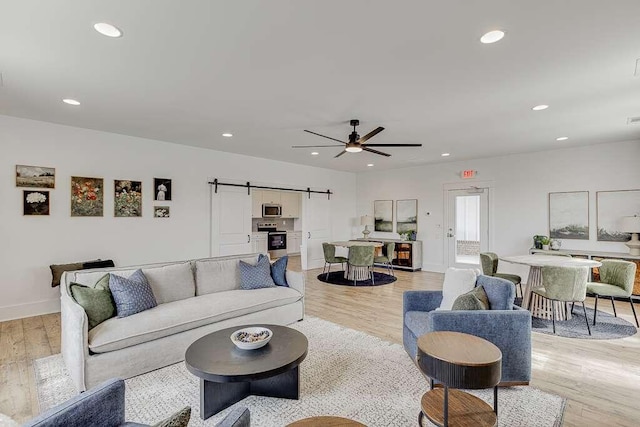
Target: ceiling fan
(357, 144)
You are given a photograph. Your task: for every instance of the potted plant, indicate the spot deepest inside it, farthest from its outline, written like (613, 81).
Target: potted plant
(545, 243)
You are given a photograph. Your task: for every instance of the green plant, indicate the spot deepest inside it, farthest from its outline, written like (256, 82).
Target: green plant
(545, 240)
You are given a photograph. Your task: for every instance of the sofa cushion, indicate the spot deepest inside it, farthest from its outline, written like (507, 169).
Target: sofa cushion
(220, 274)
(279, 271)
(171, 282)
(96, 301)
(457, 281)
(132, 295)
(476, 299)
(256, 276)
(178, 316)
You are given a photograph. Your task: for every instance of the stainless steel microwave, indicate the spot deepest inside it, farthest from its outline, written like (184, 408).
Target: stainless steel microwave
(271, 211)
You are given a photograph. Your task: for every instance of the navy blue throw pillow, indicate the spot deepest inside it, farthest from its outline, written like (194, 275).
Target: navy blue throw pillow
(279, 271)
(256, 276)
(131, 295)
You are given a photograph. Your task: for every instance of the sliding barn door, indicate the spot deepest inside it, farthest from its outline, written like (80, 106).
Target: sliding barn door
(316, 229)
(230, 222)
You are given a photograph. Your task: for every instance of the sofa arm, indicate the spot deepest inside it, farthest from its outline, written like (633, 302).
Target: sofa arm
(295, 280)
(75, 338)
(421, 301)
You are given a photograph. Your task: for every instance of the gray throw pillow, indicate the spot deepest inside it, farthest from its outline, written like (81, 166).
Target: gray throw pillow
(179, 419)
(131, 295)
(96, 301)
(256, 276)
(476, 299)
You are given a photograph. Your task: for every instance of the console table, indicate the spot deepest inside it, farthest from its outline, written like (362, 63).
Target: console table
(407, 254)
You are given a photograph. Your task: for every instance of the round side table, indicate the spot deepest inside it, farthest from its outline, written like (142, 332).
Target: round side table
(326, 421)
(459, 361)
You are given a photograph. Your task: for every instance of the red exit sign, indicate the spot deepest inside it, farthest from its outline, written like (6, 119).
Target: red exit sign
(468, 174)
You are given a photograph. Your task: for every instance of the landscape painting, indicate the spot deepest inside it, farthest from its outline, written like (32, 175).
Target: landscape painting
(36, 203)
(611, 207)
(128, 198)
(87, 196)
(35, 176)
(406, 215)
(569, 215)
(383, 215)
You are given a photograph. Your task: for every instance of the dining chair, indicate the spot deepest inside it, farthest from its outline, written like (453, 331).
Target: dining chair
(489, 261)
(387, 259)
(564, 285)
(331, 258)
(361, 256)
(616, 280)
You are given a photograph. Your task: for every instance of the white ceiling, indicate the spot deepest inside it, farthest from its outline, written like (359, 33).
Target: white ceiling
(187, 71)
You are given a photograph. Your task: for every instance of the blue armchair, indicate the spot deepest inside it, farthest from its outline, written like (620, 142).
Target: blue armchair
(103, 406)
(505, 325)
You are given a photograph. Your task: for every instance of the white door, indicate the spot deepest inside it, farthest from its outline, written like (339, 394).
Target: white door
(230, 222)
(467, 226)
(316, 229)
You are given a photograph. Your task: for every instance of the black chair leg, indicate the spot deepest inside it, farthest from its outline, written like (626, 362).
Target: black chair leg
(572, 304)
(521, 291)
(553, 315)
(634, 311)
(595, 311)
(585, 317)
(613, 304)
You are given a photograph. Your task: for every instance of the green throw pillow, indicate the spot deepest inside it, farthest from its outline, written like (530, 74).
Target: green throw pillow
(179, 419)
(96, 301)
(476, 299)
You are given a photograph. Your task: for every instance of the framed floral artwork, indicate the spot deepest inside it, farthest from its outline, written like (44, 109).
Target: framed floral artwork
(87, 196)
(161, 211)
(35, 203)
(127, 198)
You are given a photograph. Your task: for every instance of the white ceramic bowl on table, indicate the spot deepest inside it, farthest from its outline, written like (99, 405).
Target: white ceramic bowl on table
(252, 339)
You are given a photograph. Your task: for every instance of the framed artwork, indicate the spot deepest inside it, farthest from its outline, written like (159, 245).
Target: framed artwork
(406, 215)
(87, 196)
(569, 215)
(383, 215)
(35, 176)
(161, 211)
(611, 206)
(127, 198)
(161, 189)
(35, 203)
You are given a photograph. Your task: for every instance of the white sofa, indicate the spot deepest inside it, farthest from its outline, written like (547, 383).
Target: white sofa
(194, 298)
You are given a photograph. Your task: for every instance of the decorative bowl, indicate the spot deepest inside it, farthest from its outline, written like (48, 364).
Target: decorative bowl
(251, 338)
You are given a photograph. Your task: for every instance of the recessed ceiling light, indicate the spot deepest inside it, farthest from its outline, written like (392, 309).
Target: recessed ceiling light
(445, 154)
(107, 30)
(492, 37)
(540, 107)
(370, 165)
(71, 101)
(314, 153)
(562, 138)
(227, 135)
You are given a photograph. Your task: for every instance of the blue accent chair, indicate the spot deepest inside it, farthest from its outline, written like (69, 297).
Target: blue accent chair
(505, 325)
(103, 406)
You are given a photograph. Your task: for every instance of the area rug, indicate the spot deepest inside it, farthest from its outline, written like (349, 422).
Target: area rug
(337, 278)
(607, 327)
(347, 373)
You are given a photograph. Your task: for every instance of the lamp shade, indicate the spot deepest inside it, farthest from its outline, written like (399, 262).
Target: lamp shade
(366, 220)
(630, 224)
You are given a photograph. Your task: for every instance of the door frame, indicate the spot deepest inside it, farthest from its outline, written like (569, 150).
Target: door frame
(466, 185)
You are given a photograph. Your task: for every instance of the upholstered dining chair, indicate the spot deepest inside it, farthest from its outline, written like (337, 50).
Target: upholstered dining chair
(564, 285)
(388, 258)
(331, 258)
(489, 262)
(616, 280)
(361, 256)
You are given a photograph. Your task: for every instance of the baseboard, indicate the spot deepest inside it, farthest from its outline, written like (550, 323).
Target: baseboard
(435, 268)
(31, 309)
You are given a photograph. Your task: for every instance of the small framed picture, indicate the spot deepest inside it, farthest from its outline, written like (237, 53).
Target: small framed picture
(35, 203)
(35, 176)
(161, 211)
(161, 189)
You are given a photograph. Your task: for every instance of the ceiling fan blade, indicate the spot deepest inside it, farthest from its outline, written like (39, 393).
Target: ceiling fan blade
(365, 148)
(324, 136)
(315, 146)
(394, 145)
(370, 135)
(340, 154)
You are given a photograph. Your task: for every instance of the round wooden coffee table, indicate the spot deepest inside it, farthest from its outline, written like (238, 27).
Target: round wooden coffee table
(459, 361)
(326, 421)
(228, 374)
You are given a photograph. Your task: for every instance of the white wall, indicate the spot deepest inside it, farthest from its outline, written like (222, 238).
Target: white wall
(31, 243)
(520, 195)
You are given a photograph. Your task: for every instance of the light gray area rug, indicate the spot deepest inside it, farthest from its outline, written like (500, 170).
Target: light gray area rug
(346, 373)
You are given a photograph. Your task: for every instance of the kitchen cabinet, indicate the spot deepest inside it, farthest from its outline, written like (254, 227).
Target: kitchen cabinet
(290, 204)
(294, 240)
(260, 244)
(271, 197)
(256, 203)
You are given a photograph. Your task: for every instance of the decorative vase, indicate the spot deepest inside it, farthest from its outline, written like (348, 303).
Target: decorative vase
(545, 247)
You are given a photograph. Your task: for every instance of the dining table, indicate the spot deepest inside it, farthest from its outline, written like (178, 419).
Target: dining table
(539, 306)
(356, 273)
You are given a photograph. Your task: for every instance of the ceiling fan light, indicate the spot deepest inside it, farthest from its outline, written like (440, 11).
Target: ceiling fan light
(353, 149)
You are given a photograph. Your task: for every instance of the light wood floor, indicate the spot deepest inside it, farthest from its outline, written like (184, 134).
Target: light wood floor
(600, 379)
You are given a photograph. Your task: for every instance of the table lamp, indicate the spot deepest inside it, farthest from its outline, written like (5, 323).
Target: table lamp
(366, 220)
(631, 224)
